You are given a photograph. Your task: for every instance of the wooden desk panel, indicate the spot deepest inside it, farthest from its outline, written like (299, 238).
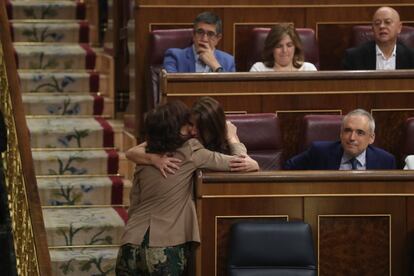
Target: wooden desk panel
(361, 221)
(388, 95)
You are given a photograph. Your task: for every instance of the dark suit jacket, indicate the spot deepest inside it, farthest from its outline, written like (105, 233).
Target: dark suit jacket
(328, 155)
(364, 57)
(183, 61)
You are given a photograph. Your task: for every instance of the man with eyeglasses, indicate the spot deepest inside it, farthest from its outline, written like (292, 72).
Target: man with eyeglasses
(202, 56)
(385, 52)
(353, 152)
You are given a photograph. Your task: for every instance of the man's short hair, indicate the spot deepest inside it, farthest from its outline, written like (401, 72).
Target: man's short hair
(209, 18)
(361, 112)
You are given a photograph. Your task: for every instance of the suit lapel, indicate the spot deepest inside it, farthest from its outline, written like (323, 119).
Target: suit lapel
(190, 59)
(399, 60)
(371, 57)
(370, 159)
(335, 162)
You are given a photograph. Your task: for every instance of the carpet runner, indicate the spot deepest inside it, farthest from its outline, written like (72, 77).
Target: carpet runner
(52, 56)
(83, 190)
(84, 261)
(68, 31)
(75, 140)
(64, 104)
(74, 133)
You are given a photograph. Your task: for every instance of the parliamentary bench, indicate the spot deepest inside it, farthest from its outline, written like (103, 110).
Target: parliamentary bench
(388, 95)
(361, 221)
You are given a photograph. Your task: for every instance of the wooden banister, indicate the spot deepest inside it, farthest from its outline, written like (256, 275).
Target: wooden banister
(29, 233)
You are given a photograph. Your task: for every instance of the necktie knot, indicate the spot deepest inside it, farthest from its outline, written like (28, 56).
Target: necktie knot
(354, 163)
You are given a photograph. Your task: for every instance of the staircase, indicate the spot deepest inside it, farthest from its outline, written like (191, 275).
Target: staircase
(67, 88)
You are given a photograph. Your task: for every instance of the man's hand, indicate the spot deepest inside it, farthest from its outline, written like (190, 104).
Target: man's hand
(206, 54)
(243, 163)
(165, 164)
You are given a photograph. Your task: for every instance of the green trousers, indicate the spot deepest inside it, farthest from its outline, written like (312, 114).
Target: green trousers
(142, 260)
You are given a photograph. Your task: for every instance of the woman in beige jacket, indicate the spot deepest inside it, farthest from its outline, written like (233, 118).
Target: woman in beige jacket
(162, 218)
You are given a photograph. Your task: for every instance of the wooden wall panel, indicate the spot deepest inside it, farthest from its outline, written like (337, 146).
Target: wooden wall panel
(390, 125)
(367, 236)
(215, 228)
(409, 246)
(361, 222)
(371, 213)
(333, 40)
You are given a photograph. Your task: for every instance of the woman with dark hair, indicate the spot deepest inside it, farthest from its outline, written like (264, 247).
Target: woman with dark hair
(283, 51)
(209, 126)
(162, 219)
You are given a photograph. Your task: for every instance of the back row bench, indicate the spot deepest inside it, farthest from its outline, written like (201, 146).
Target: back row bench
(262, 135)
(161, 40)
(389, 96)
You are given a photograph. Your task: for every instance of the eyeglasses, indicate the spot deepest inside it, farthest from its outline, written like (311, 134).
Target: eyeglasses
(201, 33)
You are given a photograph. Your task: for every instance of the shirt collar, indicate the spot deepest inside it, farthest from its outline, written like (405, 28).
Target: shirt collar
(380, 53)
(361, 158)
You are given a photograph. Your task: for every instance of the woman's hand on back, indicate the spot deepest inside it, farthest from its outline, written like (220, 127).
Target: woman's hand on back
(243, 163)
(162, 162)
(165, 163)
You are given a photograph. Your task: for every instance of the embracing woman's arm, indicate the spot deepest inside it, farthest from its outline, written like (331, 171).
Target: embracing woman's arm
(244, 163)
(165, 164)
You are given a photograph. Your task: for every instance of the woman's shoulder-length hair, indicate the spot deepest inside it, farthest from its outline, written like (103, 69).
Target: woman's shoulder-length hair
(276, 34)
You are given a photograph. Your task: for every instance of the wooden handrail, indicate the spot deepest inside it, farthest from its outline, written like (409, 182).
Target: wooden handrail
(305, 75)
(29, 233)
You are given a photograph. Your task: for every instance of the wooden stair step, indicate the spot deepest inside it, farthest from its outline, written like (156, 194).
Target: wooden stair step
(87, 190)
(84, 226)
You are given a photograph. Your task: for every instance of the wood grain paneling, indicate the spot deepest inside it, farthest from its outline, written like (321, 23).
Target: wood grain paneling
(368, 208)
(361, 222)
(366, 236)
(389, 131)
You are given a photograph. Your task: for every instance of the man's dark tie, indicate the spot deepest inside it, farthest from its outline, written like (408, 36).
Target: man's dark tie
(354, 163)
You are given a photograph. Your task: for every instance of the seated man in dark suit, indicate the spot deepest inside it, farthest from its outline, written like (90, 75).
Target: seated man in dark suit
(385, 52)
(354, 150)
(202, 56)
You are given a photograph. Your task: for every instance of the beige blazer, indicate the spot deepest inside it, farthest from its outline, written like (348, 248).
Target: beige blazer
(166, 205)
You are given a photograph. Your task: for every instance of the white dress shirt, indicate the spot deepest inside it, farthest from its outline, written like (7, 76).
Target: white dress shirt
(409, 162)
(382, 62)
